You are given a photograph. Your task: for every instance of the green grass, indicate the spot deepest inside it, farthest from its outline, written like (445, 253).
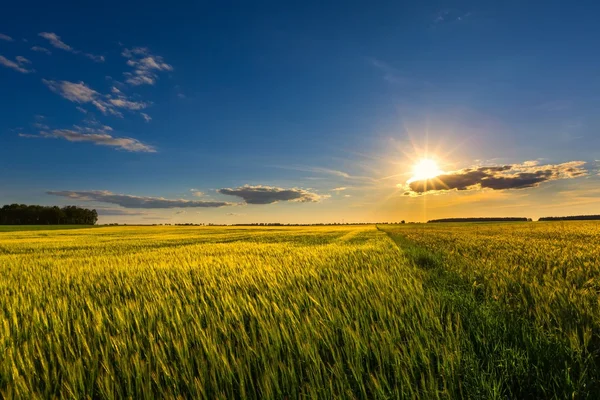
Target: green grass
(411, 312)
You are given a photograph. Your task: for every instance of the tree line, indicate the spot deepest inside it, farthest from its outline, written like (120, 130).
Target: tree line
(572, 218)
(484, 219)
(22, 214)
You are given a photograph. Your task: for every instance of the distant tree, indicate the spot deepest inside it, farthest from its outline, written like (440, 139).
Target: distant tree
(572, 218)
(481, 219)
(21, 214)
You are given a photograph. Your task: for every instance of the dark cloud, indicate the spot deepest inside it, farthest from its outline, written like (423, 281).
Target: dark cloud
(129, 201)
(516, 176)
(269, 194)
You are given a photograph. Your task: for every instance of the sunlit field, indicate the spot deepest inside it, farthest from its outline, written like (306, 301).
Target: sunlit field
(395, 311)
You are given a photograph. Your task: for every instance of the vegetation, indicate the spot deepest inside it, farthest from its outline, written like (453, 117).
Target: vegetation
(572, 218)
(527, 299)
(441, 311)
(21, 214)
(20, 228)
(481, 219)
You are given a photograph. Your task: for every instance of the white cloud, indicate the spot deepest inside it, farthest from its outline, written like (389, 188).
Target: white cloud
(145, 66)
(56, 41)
(196, 192)
(81, 93)
(22, 60)
(94, 57)
(122, 102)
(17, 66)
(98, 136)
(40, 49)
(6, 38)
(76, 92)
(146, 117)
(130, 201)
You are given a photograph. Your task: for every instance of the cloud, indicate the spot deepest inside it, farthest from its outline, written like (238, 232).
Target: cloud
(339, 189)
(516, 176)
(98, 136)
(75, 92)
(55, 41)
(122, 102)
(18, 65)
(196, 192)
(268, 194)
(106, 103)
(94, 57)
(40, 49)
(450, 16)
(327, 171)
(117, 211)
(391, 74)
(180, 212)
(145, 66)
(234, 214)
(146, 117)
(6, 38)
(129, 201)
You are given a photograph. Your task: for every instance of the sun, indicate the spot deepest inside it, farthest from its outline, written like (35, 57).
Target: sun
(426, 168)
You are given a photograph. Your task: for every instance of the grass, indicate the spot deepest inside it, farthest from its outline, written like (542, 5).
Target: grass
(449, 311)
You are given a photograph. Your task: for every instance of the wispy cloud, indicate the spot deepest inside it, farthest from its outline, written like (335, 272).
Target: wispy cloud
(516, 176)
(269, 194)
(196, 192)
(390, 74)
(6, 38)
(108, 211)
(98, 136)
(339, 189)
(145, 66)
(18, 65)
(334, 172)
(130, 201)
(57, 42)
(106, 103)
(146, 117)
(40, 49)
(451, 16)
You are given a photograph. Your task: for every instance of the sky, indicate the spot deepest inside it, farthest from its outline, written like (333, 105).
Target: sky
(238, 112)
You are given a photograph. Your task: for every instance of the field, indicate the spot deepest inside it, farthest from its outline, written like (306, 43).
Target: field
(396, 311)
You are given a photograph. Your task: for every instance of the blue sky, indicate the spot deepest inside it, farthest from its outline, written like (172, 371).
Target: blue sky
(238, 112)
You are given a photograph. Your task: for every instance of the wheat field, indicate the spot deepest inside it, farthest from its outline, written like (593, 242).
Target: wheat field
(395, 311)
